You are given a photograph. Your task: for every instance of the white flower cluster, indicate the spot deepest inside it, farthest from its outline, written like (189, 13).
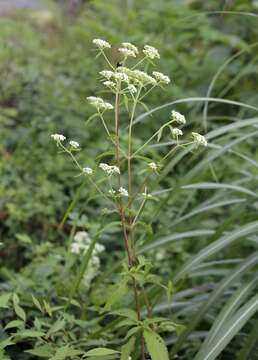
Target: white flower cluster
(121, 192)
(160, 77)
(176, 132)
(151, 52)
(176, 116)
(199, 139)
(102, 44)
(87, 170)
(153, 166)
(74, 144)
(99, 103)
(80, 245)
(109, 169)
(58, 137)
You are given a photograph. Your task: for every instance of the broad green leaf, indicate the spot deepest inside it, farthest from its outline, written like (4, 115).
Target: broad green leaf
(30, 333)
(127, 349)
(155, 345)
(14, 324)
(45, 351)
(36, 303)
(61, 353)
(229, 330)
(100, 352)
(24, 238)
(58, 325)
(17, 308)
(6, 342)
(4, 299)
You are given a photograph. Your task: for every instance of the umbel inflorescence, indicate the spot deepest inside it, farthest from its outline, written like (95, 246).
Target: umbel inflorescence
(127, 86)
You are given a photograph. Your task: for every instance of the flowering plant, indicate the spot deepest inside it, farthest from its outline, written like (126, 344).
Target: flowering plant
(128, 85)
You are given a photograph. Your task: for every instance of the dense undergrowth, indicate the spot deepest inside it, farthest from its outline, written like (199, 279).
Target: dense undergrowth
(202, 233)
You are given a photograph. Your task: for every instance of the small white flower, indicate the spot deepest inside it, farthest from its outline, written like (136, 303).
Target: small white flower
(153, 166)
(142, 77)
(132, 89)
(130, 46)
(110, 170)
(121, 76)
(160, 77)
(58, 137)
(176, 132)
(107, 74)
(102, 44)
(176, 116)
(112, 192)
(87, 170)
(127, 52)
(123, 192)
(99, 103)
(110, 84)
(74, 144)
(199, 139)
(151, 52)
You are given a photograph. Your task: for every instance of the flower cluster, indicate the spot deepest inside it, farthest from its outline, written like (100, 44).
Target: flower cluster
(80, 245)
(99, 103)
(58, 137)
(87, 171)
(121, 192)
(161, 78)
(109, 169)
(179, 118)
(150, 52)
(176, 132)
(101, 44)
(199, 139)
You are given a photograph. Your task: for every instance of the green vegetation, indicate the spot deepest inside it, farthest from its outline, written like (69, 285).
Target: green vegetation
(199, 238)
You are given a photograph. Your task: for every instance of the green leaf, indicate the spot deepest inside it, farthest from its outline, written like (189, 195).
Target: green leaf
(127, 349)
(14, 324)
(155, 345)
(116, 295)
(44, 351)
(30, 333)
(4, 299)
(229, 330)
(24, 238)
(18, 310)
(101, 352)
(6, 342)
(58, 325)
(36, 303)
(215, 247)
(61, 353)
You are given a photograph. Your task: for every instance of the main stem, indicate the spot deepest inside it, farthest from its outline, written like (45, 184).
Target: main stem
(122, 214)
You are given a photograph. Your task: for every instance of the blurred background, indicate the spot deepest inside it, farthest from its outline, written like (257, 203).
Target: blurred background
(48, 68)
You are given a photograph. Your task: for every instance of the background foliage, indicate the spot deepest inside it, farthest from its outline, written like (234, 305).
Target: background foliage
(203, 234)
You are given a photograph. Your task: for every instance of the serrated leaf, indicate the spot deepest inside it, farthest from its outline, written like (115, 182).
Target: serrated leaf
(100, 352)
(155, 345)
(127, 349)
(4, 299)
